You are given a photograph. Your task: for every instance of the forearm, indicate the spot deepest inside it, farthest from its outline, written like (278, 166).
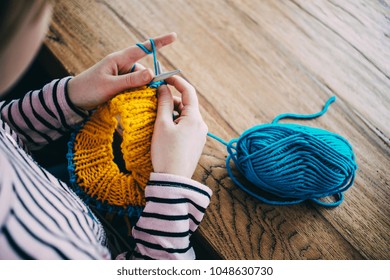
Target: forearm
(174, 208)
(42, 116)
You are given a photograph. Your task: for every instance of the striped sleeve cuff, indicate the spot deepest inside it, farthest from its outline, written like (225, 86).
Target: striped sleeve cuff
(175, 181)
(175, 206)
(69, 114)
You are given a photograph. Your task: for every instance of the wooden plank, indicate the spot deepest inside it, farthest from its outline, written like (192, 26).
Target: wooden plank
(349, 61)
(250, 61)
(371, 83)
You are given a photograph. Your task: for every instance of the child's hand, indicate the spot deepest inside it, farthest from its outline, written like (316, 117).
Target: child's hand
(178, 144)
(111, 75)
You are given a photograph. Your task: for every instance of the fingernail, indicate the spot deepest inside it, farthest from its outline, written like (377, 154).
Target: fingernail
(161, 90)
(146, 76)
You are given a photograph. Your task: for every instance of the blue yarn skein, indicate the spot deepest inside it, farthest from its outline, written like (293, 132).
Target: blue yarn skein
(290, 163)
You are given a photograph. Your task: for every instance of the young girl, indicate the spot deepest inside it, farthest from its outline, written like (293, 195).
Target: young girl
(40, 216)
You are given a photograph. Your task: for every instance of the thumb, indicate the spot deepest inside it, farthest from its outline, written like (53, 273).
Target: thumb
(134, 79)
(165, 104)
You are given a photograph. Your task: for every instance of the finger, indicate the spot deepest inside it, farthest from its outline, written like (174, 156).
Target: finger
(137, 67)
(132, 80)
(178, 105)
(165, 105)
(127, 57)
(188, 93)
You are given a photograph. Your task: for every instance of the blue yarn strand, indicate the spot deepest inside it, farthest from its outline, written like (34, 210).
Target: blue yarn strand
(308, 116)
(218, 139)
(132, 68)
(154, 53)
(288, 163)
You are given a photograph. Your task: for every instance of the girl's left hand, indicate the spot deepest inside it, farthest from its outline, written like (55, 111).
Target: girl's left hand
(111, 75)
(177, 144)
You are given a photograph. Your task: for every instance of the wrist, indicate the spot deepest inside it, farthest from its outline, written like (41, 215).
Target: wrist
(69, 99)
(72, 88)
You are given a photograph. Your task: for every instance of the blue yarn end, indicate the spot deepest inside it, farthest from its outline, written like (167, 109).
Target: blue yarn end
(102, 206)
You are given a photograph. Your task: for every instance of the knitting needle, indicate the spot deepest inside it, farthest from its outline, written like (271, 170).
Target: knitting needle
(158, 68)
(162, 76)
(165, 75)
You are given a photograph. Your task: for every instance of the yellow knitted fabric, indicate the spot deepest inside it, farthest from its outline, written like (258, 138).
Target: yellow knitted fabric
(97, 173)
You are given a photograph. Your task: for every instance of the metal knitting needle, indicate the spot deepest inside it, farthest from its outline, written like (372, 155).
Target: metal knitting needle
(165, 75)
(162, 76)
(158, 67)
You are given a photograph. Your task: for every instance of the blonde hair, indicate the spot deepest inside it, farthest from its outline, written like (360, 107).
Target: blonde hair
(12, 15)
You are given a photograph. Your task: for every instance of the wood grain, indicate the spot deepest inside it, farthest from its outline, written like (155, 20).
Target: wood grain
(250, 61)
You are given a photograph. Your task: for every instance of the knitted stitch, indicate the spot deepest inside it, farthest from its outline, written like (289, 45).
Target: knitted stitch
(96, 172)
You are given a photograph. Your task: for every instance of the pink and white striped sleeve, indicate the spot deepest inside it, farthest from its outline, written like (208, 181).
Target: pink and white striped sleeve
(175, 206)
(42, 116)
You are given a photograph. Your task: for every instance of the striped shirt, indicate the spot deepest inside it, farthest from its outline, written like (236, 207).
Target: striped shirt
(42, 218)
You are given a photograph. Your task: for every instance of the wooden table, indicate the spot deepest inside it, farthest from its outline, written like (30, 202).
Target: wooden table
(250, 61)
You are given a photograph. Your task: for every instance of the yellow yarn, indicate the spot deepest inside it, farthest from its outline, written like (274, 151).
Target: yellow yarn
(97, 173)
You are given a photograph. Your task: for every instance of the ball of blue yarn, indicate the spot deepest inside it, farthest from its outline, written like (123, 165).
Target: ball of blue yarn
(290, 163)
